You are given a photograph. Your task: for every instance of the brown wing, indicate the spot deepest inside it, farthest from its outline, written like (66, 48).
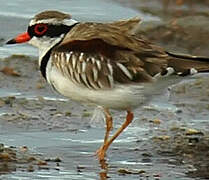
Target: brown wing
(111, 34)
(127, 26)
(123, 57)
(91, 71)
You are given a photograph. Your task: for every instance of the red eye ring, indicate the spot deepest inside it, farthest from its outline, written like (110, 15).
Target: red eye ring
(40, 29)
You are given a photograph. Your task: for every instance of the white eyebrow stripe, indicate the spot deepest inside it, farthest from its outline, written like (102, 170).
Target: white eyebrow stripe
(68, 22)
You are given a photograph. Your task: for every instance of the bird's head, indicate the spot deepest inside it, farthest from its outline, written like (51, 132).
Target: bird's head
(45, 30)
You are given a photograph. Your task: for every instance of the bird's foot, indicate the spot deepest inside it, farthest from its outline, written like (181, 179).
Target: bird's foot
(101, 153)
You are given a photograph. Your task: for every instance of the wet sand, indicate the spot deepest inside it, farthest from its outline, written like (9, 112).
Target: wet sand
(47, 136)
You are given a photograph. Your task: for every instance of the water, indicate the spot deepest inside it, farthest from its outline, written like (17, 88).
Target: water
(81, 9)
(15, 15)
(76, 148)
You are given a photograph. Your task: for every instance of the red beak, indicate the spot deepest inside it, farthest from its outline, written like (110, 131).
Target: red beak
(21, 38)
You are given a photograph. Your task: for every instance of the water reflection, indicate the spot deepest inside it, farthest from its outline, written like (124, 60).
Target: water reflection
(104, 169)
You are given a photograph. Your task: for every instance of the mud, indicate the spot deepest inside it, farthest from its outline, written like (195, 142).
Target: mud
(22, 159)
(45, 135)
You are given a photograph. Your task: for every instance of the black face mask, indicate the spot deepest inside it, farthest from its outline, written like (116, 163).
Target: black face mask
(49, 30)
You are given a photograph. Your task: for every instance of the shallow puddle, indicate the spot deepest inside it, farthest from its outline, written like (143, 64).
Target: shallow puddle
(163, 142)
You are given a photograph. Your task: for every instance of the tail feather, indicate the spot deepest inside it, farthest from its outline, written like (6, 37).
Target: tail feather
(189, 57)
(184, 63)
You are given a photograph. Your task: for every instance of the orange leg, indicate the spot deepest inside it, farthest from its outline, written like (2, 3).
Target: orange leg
(102, 150)
(108, 124)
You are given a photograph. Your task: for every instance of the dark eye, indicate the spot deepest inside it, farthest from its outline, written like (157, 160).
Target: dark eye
(40, 29)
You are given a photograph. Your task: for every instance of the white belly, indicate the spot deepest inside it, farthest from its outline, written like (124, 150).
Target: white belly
(119, 97)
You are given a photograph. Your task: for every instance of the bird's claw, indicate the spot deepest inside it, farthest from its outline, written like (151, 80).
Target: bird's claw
(101, 153)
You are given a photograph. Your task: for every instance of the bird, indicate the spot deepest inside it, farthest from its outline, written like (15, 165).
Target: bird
(103, 64)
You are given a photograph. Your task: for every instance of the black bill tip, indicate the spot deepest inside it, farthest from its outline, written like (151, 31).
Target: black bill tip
(12, 41)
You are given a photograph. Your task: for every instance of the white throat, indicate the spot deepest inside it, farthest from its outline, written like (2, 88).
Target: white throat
(44, 44)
